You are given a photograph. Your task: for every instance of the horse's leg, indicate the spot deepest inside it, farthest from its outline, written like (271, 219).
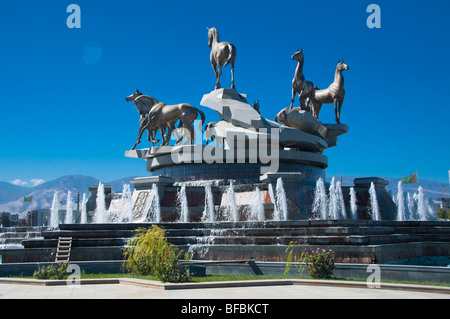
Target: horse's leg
(219, 74)
(293, 97)
(340, 106)
(214, 66)
(336, 112)
(138, 140)
(232, 76)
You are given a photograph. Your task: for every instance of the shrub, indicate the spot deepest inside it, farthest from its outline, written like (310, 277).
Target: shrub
(149, 253)
(58, 272)
(320, 263)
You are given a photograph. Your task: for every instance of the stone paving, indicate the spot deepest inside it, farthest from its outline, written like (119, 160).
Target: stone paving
(264, 292)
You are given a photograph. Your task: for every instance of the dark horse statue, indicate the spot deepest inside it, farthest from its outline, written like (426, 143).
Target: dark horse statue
(156, 116)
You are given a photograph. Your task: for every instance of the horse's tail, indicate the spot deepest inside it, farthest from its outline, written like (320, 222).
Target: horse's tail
(231, 54)
(202, 115)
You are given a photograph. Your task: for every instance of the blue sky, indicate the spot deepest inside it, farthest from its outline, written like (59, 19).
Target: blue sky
(61, 115)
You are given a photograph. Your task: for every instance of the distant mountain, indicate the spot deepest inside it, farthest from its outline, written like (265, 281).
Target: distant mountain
(8, 191)
(12, 196)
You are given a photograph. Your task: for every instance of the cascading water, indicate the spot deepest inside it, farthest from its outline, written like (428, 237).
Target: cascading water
(126, 204)
(100, 211)
(353, 204)
(257, 207)
(424, 210)
(183, 205)
(281, 207)
(231, 212)
(410, 204)
(333, 204)
(320, 204)
(401, 212)
(54, 211)
(69, 209)
(208, 211)
(83, 218)
(340, 201)
(375, 211)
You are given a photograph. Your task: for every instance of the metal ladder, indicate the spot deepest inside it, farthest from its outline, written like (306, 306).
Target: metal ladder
(63, 250)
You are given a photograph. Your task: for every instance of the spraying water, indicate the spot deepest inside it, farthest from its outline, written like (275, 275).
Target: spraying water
(69, 208)
(54, 211)
(281, 207)
(340, 201)
(231, 212)
(100, 211)
(183, 205)
(127, 203)
(320, 204)
(401, 212)
(353, 204)
(422, 206)
(375, 211)
(333, 204)
(83, 219)
(257, 207)
(208, 211)
(410, 203)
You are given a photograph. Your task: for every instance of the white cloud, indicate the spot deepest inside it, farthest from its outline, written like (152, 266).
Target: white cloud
(37, 181)
(18, 182)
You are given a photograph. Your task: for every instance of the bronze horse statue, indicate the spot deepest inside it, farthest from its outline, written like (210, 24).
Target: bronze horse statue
(305, 89)
(335, 93)
(222, 54)
(156, 116)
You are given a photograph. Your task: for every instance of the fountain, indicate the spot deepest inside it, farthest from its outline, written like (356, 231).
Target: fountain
(257, 207)
(231, 210)
(375, 211)
(281, 207)
(183, 205)
(332, 202)
(54, 211)
(401, 215)
(83, 217)
(127, 203)
(69, 209)
(320, 204)
(410, 205)
(342, 214)
(208, 211)
(353, 204)
(100, 211)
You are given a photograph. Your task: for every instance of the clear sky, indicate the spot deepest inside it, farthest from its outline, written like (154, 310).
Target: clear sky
(63, 112)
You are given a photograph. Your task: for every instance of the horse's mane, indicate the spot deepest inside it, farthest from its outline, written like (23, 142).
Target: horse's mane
(146, 103)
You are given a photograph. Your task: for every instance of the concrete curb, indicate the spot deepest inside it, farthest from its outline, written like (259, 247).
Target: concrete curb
(228, 284)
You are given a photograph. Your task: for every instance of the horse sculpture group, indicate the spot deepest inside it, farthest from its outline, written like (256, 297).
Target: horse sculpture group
(157, 116)
(311, 98)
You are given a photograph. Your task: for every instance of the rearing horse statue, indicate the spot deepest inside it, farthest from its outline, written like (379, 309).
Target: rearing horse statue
(305, 89)
(222, 54)
(335, 93)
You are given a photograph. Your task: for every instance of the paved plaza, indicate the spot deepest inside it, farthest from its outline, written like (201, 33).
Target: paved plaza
(264, 292)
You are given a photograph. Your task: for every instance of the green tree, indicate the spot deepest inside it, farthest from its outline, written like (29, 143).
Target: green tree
(149, 253)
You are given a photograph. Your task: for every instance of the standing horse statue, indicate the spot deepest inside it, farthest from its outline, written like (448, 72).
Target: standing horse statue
(335, 93)
(305, 89)
(222, 54)
(156, 116)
